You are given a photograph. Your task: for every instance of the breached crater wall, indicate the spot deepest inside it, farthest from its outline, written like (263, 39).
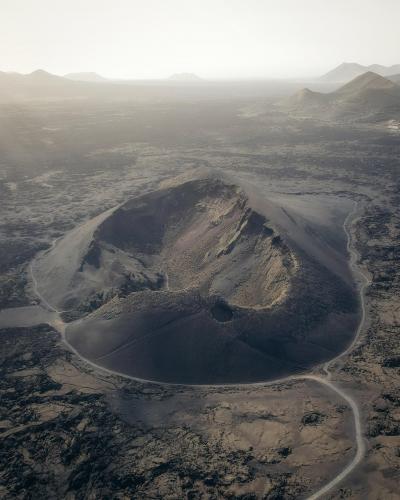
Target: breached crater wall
(194, 283)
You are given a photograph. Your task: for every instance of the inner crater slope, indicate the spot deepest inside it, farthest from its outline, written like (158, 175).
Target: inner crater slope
(201, 282)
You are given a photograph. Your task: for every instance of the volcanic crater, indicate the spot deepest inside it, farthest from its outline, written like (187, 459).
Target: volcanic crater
(199, 283)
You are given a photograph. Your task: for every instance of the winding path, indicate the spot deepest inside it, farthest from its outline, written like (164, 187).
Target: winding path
(360, 443)
(325, 380)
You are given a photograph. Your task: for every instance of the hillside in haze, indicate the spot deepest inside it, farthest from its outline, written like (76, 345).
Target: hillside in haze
(38, 77)
(185, 77)
(85, 77)
(36, 85)
(369, 97)
(41, 85)
(347, 71)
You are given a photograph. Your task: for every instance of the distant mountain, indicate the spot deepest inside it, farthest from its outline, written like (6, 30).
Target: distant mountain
(36, 77)
(36, 85)
(85, 77)
(43, 86)
(376, 68)
(391, 70)
(347, 71)
(344, 72)
(40, 75)
(368, 97)
(42, 80)
(185, 77)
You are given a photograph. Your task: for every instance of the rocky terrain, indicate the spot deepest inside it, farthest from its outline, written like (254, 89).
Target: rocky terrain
(375, 365)
(68, 163)
(69, 432)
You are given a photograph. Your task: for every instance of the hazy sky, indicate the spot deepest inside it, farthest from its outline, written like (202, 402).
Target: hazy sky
(213, 38)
